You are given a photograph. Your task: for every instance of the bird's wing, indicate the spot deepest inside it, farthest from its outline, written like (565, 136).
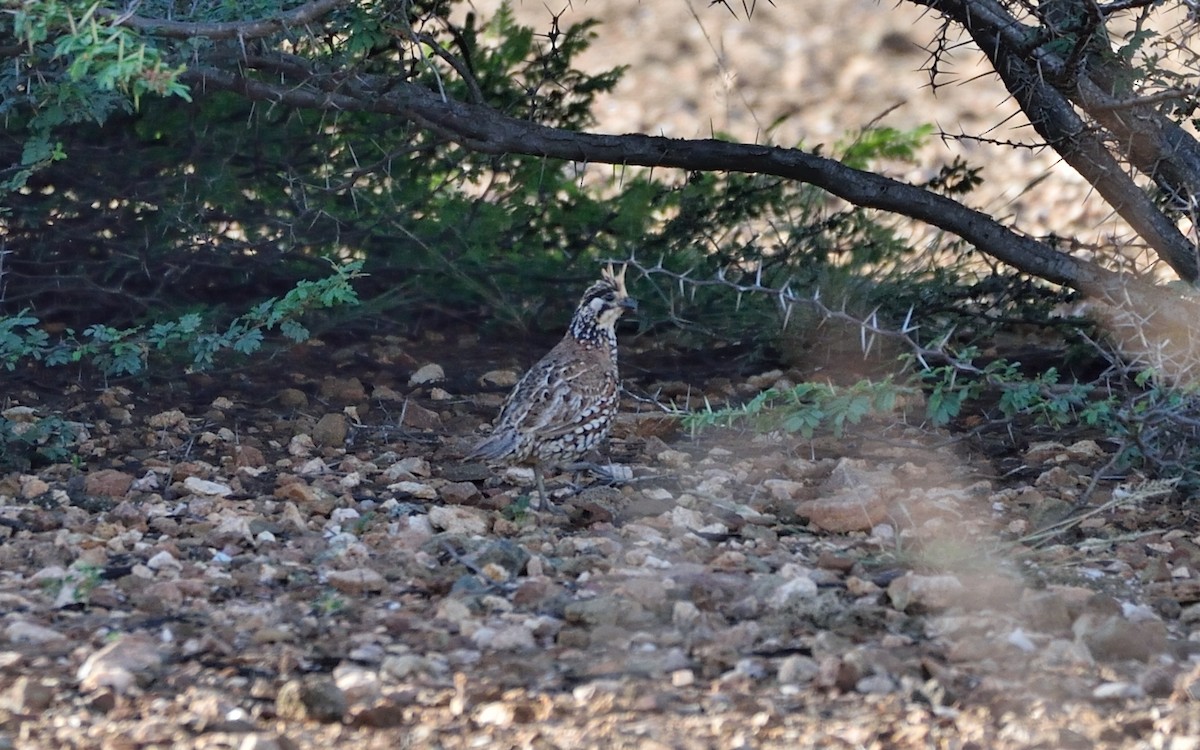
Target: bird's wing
(557, 395)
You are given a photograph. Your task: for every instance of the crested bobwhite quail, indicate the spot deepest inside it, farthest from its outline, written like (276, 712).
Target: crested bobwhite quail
(563, 407)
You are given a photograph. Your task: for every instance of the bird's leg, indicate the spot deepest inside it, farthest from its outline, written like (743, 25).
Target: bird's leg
(611, 473)
(543, 501)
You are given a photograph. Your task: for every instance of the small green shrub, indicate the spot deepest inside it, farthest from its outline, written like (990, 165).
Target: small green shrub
(807, 408)
(1153, 426)
(28, 443)
(127, 351)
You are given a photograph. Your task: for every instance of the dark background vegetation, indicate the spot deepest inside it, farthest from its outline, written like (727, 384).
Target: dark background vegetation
(170, 174)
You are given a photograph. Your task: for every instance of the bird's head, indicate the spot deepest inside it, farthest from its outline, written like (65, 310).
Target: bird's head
(601, 305)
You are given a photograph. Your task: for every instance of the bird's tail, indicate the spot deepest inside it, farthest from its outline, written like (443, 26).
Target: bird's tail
(494, 446)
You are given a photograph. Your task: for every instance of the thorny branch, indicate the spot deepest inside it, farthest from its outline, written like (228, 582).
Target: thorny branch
(1157, 425)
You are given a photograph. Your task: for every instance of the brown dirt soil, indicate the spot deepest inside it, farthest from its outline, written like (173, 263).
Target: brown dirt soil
(299, 558)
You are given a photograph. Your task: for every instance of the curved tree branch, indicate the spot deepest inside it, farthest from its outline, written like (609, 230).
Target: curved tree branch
(228, 30)
(483, 129)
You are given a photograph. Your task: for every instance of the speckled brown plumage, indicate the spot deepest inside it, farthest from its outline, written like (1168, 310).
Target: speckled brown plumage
(564, 406)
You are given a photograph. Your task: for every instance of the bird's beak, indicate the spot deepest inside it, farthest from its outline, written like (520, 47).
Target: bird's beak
(629, 303)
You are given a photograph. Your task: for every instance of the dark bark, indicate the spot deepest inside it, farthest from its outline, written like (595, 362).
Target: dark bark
(1048, 86)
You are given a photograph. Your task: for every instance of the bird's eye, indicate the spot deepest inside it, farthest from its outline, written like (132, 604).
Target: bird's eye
(610, 296)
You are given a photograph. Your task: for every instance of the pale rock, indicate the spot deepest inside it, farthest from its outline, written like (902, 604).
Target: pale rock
(20, 414)
(883, 532)
(1084, 449)
(496, 714)
(522, 475)
(357, 683)
(314, 698)
(232, 529)
(783, 489)
(313, 467)
(32, 487)
(1118, 691)
(684, 614)
(791, 592)
(148, 482)
(419, 490)
(1044, 452)
(1021, 640)
(682, 678)
(420, 527)
(121, 665)
(301, 446)
(357, 581)
(659, 494)
(508, 638)
(1138, 612)
(430, 373)
(23, 631)
(686, 518)
(198, 486)
(798, 670)
(264, 741)
(402, 667)
(164, 561)
(499, 378)
(875, 684)
(414, 465)
(166, 420)
(50, 574)
(368, 653)
(674, 459)
(918, 593)
(459, 519)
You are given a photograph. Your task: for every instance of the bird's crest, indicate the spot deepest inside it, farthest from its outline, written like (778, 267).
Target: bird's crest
(616, 278)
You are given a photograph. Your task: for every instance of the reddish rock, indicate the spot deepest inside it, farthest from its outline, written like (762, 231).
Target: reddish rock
(859, 510)
(292, 398)
(358, 581)
(248, 455)
(107, 483)
(343, 391)
(459, 493)
(331, 430)
(420, 418)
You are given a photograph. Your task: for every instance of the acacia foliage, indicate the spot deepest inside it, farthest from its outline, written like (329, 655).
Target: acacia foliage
(361, 114)
(155, 201)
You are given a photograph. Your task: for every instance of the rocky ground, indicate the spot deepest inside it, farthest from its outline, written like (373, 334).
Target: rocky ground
(299, 560)
(254, 561)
